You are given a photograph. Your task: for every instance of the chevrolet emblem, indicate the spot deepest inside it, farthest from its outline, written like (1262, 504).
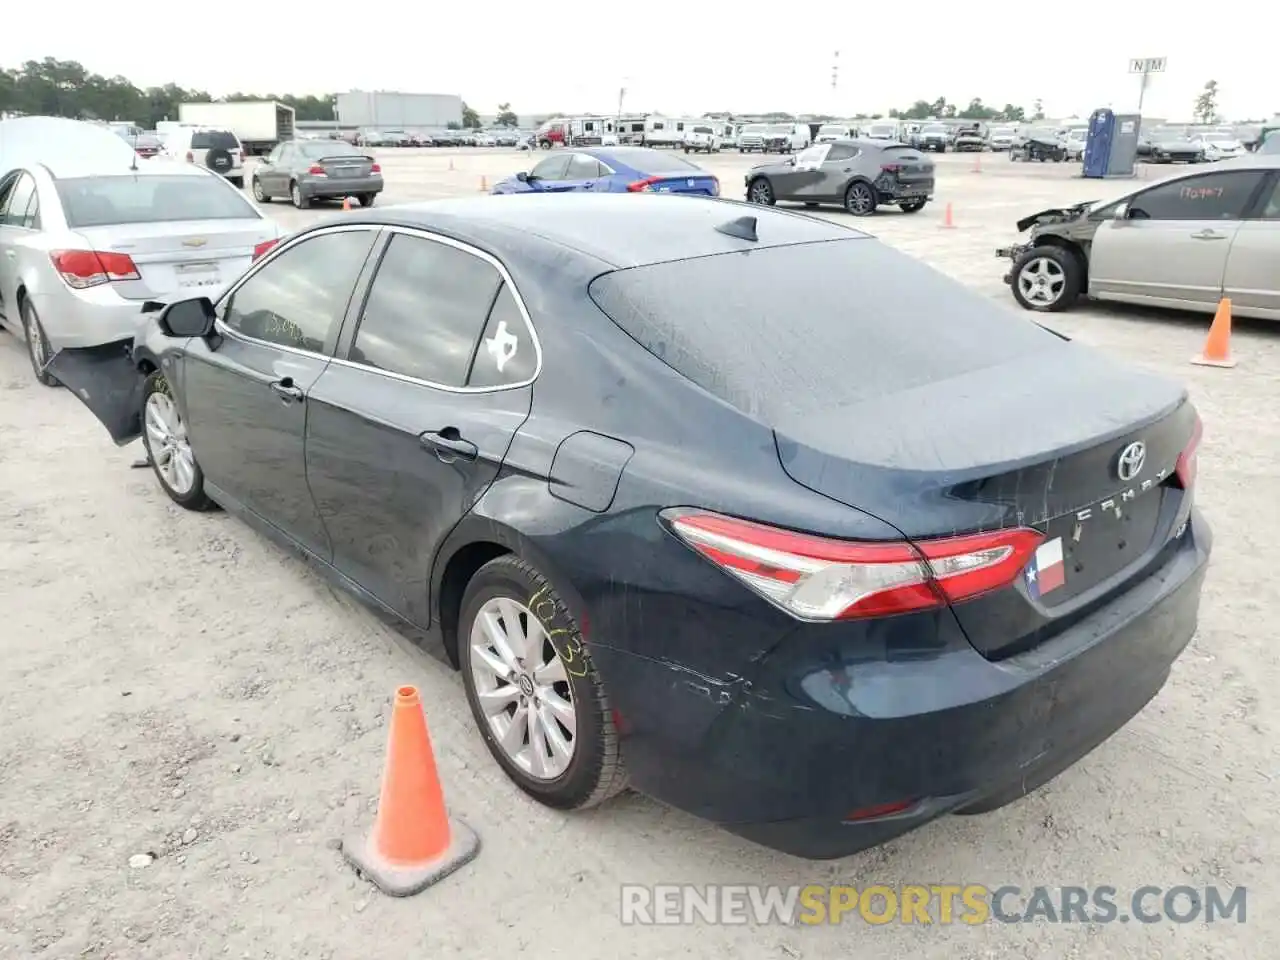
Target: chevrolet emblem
(197, 242)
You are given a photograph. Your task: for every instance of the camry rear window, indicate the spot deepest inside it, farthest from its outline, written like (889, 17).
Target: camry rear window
(108, 201)
(790, 331)
(334, 148)
(214, 140)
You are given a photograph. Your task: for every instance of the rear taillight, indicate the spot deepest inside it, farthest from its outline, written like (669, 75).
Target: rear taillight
(816, 578)
(91, 268)
(642, 186)
(316, 170)
(191, 157)
(376, 168)
(1189, 459)
(891, 167)
(263, 247)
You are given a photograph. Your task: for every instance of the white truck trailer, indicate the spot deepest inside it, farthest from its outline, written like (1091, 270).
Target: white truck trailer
(259, 124)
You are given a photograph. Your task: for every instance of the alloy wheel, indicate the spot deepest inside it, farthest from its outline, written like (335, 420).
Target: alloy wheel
(761, 192)
(523, 689)
(861, 201)
(1042, 281)
(167, 442)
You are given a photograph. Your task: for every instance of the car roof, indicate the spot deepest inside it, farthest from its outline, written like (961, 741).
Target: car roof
(153, 167)
(619, 230)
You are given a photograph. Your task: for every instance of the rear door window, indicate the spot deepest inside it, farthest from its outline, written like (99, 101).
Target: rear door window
(425, 311)
(20, 198)
(552, 168)
(582, 167)
(841, 151)
(507, 354)
(1212, 196)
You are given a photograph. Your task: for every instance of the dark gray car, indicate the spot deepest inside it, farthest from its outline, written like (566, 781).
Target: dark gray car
(306, 170)
(859, 175)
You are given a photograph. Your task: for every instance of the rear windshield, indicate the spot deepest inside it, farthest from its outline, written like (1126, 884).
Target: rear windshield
(214, 140)
(787, 331)
(108, 201)
(653, 161)
(334, 148)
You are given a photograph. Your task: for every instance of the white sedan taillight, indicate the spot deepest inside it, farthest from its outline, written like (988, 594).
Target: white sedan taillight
(817, 578)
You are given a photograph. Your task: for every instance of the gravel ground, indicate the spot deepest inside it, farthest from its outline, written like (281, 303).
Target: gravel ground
(190, 718)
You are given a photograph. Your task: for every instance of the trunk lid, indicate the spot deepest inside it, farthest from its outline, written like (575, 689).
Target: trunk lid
(345, 166)
(908, 166)
(698, 184)
(190, 258)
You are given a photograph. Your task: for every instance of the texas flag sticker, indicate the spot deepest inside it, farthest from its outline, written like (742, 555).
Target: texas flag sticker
(1046, 572)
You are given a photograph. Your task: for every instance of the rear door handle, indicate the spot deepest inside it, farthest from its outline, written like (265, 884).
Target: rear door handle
(449, 446)
(1208, 235)
(286, 390)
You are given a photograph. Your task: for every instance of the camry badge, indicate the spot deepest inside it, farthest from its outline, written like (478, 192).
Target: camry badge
(1131, 460)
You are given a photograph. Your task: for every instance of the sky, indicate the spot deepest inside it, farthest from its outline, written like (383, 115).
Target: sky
(680, 58)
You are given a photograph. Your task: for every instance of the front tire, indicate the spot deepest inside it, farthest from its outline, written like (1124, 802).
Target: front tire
(1047, 279)
(534, 691)
(860, 199)
(760, 191)
(258, 193)
(38, 350)
(164, 434)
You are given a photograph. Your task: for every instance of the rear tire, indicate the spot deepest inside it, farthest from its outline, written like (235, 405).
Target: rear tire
(300, 199)
(860, 199)
(509, 586)
(38, 349)
(913, 206)
(237, 182)
(367, 199)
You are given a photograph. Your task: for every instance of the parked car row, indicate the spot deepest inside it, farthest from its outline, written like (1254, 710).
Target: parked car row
(438, 138)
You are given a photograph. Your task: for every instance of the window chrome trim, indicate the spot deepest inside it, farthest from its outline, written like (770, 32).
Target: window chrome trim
(424, 234)
(287, 243)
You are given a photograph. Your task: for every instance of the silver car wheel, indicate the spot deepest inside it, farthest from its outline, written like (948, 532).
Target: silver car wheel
(861, 200)
(168, 444)
(35, 344)
(522, 688)
(257, 191)
(1042, 281)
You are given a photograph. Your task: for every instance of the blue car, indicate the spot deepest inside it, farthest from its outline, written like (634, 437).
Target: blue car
(612, 170)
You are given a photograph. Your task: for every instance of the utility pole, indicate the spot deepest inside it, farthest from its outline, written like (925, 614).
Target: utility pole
(835, 76)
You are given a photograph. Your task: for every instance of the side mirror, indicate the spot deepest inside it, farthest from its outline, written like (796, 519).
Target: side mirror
(522, 177)
(791, 161)
(1122, 212)
(188, 318)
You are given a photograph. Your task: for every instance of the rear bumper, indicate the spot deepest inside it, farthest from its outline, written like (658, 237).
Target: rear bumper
(346, 187)
(87, 318)
(827, 725)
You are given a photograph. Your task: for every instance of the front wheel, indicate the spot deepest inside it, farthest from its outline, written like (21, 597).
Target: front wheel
(258, 193)
(169, 452)
(533, 689)
(1047, 279)
(860, 199)
(912, 206)
(760, 191)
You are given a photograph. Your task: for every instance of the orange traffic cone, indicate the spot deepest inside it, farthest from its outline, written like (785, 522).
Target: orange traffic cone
(346, 203)
(484, 184)
(413, 844)
(1217, 346)
(977, 163)
(947, 222)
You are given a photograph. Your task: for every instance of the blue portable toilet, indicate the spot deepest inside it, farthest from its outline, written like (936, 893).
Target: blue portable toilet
(1112, 147)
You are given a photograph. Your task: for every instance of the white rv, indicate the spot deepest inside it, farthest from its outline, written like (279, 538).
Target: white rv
(593, 132)
(666, 131)
(631, 128)
(884, 130)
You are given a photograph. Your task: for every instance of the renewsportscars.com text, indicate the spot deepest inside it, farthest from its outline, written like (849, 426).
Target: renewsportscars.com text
(925, 904)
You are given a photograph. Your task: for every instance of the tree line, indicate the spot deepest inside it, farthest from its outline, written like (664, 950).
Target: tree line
(65, 88)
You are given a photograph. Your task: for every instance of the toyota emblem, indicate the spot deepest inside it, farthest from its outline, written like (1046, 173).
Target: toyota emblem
(1131, 460)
